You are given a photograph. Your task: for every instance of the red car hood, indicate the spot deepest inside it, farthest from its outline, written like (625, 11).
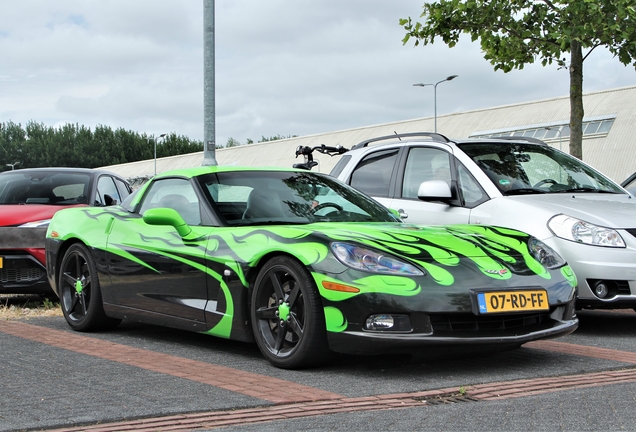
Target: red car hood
(13, 215)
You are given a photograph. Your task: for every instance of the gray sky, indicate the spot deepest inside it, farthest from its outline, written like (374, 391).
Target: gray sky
(288, 67)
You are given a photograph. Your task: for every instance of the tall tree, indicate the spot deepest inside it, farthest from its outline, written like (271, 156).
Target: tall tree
(513, 33)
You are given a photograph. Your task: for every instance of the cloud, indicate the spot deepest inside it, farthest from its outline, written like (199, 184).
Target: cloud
(282, 67)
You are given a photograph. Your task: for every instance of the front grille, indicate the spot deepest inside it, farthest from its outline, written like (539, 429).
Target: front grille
(20, 268)
(632, 231)
(468, 322)
(623, 288)
(17, 275)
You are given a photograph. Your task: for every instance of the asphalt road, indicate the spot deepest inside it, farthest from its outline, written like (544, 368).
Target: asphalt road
(55, 378)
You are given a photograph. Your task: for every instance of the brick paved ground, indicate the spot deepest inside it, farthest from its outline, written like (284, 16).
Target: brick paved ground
(283, 399)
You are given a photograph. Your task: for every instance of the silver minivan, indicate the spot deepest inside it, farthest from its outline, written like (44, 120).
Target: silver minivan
(518, 183)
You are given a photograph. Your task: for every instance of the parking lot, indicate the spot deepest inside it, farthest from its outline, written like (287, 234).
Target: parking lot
(141, 377)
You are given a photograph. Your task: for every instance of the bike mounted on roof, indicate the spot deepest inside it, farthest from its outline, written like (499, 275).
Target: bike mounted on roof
(338, 150)
(309, 158)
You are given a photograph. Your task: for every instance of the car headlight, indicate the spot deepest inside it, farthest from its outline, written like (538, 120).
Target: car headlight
(545, 254)
(579, 231)
(361, 258)
(36, 224)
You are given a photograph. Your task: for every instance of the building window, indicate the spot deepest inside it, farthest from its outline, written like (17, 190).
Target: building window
(591, 128)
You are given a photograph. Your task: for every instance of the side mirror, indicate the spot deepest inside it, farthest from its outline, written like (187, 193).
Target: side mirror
(169, 217)
(109, 200)
(435, 190)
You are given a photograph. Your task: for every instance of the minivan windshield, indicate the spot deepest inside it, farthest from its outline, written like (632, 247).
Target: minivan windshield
(519, 168)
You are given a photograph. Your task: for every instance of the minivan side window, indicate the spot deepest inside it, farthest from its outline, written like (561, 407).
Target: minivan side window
(424, 164)
(472, 192)
(373, 174)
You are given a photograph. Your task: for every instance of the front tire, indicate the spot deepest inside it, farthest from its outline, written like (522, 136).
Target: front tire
(287, 315)
(80, 294)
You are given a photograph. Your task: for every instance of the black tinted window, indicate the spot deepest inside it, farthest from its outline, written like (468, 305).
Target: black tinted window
(373, 174)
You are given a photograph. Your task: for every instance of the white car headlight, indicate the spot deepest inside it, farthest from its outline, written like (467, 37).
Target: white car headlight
(579, 231)
(36, 224)
(361, 258)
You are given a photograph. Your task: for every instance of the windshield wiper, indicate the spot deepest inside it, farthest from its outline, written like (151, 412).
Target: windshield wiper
(587, 189)
(273, 222)
(524, 191)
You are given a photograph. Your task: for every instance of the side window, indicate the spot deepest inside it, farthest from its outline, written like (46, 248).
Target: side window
(123, 188)
(471, 190)
(107, 193)
(342, 163)
(373, 175)
(177, 194)
(424, 164)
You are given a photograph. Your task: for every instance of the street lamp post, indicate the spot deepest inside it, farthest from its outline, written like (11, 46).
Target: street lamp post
(160, 136)
(558, 130)
(13, 165)
(448, 78)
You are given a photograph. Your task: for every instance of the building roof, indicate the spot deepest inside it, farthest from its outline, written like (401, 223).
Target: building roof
(610, 152)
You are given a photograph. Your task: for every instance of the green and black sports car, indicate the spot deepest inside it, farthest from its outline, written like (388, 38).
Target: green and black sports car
(303, 265)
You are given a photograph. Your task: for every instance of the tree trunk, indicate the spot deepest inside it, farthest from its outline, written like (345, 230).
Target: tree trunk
(576, 100)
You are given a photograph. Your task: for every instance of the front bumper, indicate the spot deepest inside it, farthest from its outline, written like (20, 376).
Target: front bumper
(455, 329)
(21, 273)
(591, 264)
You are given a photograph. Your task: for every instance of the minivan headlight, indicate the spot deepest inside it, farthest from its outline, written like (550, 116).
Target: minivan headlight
(576, 230)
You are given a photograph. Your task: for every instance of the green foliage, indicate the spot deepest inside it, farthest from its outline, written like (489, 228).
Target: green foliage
(231, 142)
(72, 145)
(513, 33)
(275, 137)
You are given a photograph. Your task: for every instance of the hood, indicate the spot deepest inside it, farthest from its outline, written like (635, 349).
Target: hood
(608, 210)
(18, 214)
(435, 242)
(444, 250)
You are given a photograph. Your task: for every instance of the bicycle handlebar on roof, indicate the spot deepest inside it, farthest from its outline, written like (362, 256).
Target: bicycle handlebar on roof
(307, 152)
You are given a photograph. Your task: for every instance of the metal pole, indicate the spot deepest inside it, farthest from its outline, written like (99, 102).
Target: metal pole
(160, 136)
(448, 78)
(435, 104)
(209, 139)
(558, 130)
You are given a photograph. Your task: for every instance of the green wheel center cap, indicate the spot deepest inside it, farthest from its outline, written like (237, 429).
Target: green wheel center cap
(283, 311)
(78, 286)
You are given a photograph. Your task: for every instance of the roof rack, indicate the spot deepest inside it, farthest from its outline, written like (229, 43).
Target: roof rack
(519, 138)
(432, 135)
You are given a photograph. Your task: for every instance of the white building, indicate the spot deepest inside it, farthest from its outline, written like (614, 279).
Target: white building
(609, 128)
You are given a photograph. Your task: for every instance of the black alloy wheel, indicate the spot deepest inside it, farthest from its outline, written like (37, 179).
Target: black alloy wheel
(287, 315)
(80, 295)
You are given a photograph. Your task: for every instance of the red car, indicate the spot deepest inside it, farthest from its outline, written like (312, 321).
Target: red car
(28, 200)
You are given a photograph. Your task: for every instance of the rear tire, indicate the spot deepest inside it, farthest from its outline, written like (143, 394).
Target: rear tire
(80, 294)
(287, 315)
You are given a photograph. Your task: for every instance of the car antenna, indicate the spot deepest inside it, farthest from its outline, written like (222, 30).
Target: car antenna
(397, 135)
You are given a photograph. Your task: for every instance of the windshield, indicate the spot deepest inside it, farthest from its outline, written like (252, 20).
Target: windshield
(277, 197)
(518, 169)
(43, 187)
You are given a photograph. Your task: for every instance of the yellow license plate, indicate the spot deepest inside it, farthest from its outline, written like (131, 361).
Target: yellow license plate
(1, 262)
(512, 301)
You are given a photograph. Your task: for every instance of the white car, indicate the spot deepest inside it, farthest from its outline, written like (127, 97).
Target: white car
(519, 183)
